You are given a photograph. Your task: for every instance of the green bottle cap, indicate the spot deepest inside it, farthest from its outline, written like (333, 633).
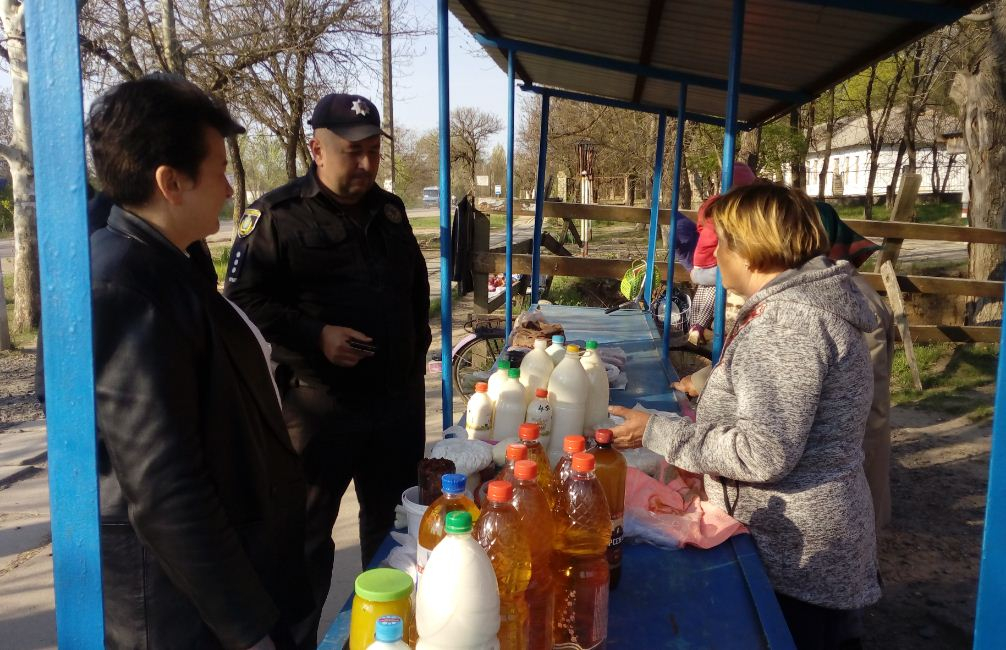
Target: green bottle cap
(383, 585)
(504, 364)
(591, 345)
(513, 373)
(458, 522)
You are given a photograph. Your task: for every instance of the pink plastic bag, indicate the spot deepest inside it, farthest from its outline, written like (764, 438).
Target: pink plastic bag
(673, 514)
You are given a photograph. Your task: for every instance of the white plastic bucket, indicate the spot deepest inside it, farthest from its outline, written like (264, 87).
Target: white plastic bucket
(413, 509)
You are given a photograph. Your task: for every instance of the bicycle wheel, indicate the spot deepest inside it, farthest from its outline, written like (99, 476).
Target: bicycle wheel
(474, 358)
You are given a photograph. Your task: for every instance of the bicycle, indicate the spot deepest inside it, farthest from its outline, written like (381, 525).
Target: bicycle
(473, 357)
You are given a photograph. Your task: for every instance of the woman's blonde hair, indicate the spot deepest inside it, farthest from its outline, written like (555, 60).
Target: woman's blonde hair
(771, 226)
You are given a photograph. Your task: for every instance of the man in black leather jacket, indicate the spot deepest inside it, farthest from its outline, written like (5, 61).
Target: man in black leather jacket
(202, 496)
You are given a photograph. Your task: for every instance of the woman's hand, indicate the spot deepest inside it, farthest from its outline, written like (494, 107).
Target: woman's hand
(629, 434)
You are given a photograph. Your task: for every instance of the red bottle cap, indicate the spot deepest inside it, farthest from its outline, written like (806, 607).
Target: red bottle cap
(516, 451)
(482, 387)
(581, 463)
(603, 436)
(573, 444)
(525, 470)
(502, 491)
(540, 392)
(528, 431)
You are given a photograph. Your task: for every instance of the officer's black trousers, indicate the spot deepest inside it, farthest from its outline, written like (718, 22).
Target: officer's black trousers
(377, 444)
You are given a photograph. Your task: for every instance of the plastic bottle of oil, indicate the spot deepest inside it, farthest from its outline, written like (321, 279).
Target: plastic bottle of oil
(515, 451)
(536, 515)
(500, 532)
(610, 470)
(583, 531)
(564, 468)
(529, 435)
(431, 527)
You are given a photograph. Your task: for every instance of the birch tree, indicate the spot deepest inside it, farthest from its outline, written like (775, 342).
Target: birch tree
(18, 154)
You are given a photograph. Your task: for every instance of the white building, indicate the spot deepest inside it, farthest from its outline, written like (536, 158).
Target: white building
(849, 168)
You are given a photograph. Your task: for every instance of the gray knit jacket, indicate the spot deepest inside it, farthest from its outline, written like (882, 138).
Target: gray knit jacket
(781, 420)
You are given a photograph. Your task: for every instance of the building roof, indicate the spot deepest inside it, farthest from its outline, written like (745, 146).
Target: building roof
(640, 51)
(931, 126)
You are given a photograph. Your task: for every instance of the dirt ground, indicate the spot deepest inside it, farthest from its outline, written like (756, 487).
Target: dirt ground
(929, 555)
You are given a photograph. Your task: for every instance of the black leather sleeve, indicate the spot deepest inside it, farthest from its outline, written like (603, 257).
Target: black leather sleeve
(148, 412)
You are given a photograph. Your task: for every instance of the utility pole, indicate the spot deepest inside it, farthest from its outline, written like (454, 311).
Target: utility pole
(388, 123)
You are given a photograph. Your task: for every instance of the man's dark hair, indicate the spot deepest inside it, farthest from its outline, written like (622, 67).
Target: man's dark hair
(137, 126)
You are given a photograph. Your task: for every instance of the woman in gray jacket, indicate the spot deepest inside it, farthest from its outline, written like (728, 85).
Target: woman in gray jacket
(779, 428)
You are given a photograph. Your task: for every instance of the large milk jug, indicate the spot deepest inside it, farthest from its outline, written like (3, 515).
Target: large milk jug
(510, 408)
(498, 378)
(479, 414)
(598, 393)
(557, 350)
(458, 602)
(567, 391)
(536, 368)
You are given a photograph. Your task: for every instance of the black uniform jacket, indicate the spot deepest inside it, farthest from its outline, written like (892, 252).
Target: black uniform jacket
(306, 263)
(202, 498)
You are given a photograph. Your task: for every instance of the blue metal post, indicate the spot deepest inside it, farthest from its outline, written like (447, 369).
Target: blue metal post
(990, 624)
(539, 200)
(672, 233)
(729, 138)
(509, 195)
(651, 245)
(65, 265)
(446, 322)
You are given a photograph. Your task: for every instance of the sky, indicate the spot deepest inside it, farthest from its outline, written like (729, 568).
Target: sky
(475, 79)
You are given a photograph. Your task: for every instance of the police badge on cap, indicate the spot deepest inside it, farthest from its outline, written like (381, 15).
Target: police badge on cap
(351, 116)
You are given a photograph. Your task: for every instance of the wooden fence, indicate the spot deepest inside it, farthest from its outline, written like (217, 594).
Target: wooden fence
(486, 261)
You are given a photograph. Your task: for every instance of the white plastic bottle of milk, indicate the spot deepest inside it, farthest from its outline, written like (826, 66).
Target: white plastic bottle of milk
(535, 368)
(557, 350)
(567, 391)
(498, 378)
(479, 414)
(598, 393)
(539, 411)
(458, 601)
(510, 408)
(388, 634)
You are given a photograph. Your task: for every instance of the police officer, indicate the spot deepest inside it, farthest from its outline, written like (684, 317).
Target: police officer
(329, 269)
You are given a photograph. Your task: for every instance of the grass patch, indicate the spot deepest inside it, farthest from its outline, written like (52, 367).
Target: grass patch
(221, 259)
(948, 214)
(434, 308)
(953, 377)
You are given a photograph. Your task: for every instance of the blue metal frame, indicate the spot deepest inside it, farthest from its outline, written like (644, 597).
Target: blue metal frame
(508, 282)
(446, 322)
(65, 264)
(990, 624)
(631, 67)
(651, 244)
(539, 199)
(672, 233)
(729, 139)
(629, 106)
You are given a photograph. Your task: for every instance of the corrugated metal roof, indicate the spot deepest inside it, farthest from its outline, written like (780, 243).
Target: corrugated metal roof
(795, 46)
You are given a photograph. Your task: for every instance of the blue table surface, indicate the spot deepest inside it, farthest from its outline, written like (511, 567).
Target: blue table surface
(690, 598)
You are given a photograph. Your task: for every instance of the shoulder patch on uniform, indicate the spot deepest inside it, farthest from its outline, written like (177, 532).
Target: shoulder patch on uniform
(393, 214)
(248, 222)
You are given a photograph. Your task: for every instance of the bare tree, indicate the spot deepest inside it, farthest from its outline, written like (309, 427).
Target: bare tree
(471, 129)
(878, 102)
(18, 154)
(830, 122)
(979, 89)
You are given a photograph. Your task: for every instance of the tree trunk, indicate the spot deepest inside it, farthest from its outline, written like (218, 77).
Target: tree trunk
(750, 143)
(896, 173)
(388, 121)
(240, 194)
(980, 94)
(829, 132)
(172, 52)
(294, 120)
(27, 301)
(870, 180)
(685, 197)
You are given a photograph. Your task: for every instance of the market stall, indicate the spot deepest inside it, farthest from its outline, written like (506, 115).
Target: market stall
(726, 62)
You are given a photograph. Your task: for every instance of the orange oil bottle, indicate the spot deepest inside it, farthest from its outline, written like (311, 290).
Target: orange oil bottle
(529, 434)
(431, 527)
(536, 515)
(610, 470)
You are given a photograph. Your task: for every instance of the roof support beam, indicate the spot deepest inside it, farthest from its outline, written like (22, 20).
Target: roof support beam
(617, 65)
(487, 27)
(629, 106)
(937, 14)
(653, 15)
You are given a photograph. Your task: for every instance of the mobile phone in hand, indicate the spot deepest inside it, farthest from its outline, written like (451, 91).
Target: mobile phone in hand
(363, 347)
